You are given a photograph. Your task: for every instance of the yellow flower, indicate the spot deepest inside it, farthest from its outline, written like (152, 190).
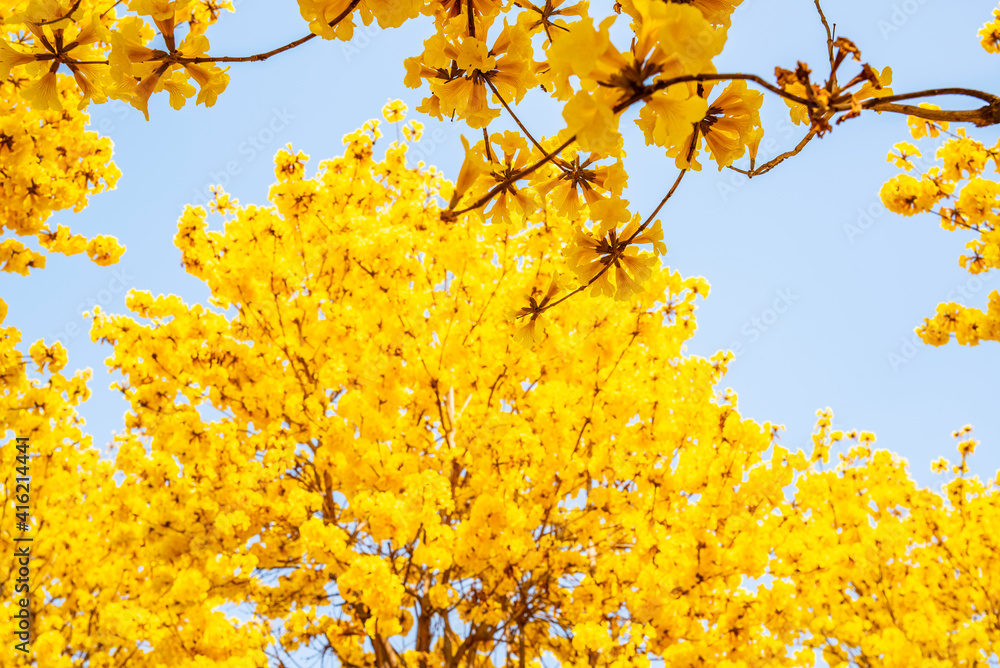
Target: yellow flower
(870, 88)
(727, 127)
(61, 241)
(753, 145)
(512, 202)
(908, 196)
(653, 235)
(718, 12)
(594, 123)
(413, 131)
(527, 334)
(9, 59)
(575, 176)
(290, 166)
(670, 40)
(459, 71)
(592, 259)
(549, 16)
(54, 356)
(990, 34)
(901, 158)
(473, 167)
(395, 111)
(667, 116)
(963, 157)
(44, 93)
(222, 202)
(967, 448)
(178, 88)
(104, 250)
(576, 53)
(319, 14)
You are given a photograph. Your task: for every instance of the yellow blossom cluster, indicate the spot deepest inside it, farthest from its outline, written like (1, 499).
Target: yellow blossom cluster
(382, 438)
(990, 34)
(963, 188)
(480, 60)
(48, 163)
(93, 594)
(108, 55)
(891, 574)
(412, 477)
(345, 440)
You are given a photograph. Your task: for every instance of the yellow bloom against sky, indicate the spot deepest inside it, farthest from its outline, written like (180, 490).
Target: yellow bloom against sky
(400, 320)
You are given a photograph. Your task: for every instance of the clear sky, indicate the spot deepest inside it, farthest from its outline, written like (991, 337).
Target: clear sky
(810, 239)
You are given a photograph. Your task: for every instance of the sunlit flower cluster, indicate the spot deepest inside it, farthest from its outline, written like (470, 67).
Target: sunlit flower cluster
(963, 189)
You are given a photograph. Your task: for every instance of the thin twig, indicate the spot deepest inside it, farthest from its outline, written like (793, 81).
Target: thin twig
(256, 57)
(829, 41)
(67, 15)
(771, 164)
(988, 115)
(659, 206)
(110, 8)
(250, 59)
(486, 141)
(513, 115)
(666, 83)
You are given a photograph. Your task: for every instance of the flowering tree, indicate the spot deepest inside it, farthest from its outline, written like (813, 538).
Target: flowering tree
(400, 434)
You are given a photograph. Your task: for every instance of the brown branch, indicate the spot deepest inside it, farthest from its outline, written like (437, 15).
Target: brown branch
(771, 164)
(985, 97)
(514, 116)
(486, 142)
(988, 115)
(248, 59)
(829, 42)
(666, 83)
(68, 15)
(982, 117)
(264, 56)
(110, 8)
(669, 194)
(649, 218)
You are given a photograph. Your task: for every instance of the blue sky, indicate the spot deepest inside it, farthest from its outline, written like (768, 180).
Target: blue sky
(813, 281)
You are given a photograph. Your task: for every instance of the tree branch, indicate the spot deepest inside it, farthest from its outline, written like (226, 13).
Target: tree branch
(514, 116)
(771, 164)
(264, 56)
(67, 15)
(982, 117)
